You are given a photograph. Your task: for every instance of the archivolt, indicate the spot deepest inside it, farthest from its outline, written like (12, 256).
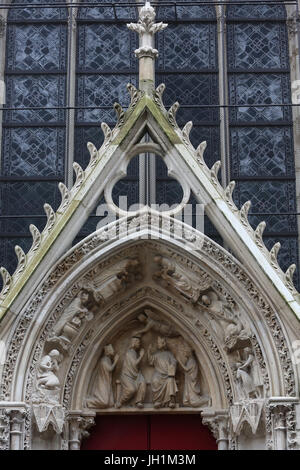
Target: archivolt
(63, 282)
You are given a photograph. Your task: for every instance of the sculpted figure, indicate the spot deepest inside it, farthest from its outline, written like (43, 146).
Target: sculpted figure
(47, 369)
(117, 278)
(191, 392)
(173, 275)
(248, 385)
(162, 328)
(103, 395)
(225, 323)
(163, 382)
(132, 380)
(80, 310)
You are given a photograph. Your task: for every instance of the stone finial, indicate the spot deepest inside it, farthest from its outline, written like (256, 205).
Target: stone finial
(146, 53)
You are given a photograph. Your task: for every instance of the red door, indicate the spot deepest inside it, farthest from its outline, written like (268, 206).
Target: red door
(155, 432)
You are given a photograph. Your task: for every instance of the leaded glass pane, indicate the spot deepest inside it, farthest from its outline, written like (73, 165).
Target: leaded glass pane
(128, 188)
(28, 198)
(33, 151)
(19, 225)
(262, 11)
(83, 135)
(27, 13)
(35, 91)
(187, 12)
(102, 90)
(266, 151)
(106, 47)
(259, 89)
(168, 192)
(187, 47)
(257, 46)
(108, 12)
(191, 89)
(36, 47)
(269, 197)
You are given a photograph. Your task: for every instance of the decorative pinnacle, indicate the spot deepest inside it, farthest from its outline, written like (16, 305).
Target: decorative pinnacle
(146, 28)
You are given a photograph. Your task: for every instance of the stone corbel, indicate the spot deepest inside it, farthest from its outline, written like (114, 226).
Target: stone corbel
(282, 421)
(79, 424)
(217, 421)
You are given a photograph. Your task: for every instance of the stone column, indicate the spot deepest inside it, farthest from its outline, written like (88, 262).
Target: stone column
(16, 429)
(218, 424)
(12, 425)
(280, 409)
(79, 423)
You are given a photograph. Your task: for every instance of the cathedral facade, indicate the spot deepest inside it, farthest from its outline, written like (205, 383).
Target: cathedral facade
(149, 184)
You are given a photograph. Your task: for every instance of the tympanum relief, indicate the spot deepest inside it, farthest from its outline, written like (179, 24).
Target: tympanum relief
(98, 287)
(154, 367)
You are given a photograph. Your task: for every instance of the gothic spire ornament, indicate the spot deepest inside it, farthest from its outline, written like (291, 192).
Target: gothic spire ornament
(146, 53)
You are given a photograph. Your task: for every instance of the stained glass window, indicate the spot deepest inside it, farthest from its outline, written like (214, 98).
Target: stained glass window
(33, 140)
(188, 65)
(261, 137)
(34, 153)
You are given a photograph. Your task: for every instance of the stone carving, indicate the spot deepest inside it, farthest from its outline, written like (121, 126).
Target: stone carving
(132, 381)
(153, 324)
(191, 391)
(248, 381)
(114, 279)
(4, 429)
(172, 275)
(103, 394)
(46, 408)
(226, 323)
(79, 425)
(247, 412)
(75, 315)
(146, 28)
(47, 382)
(46, 414)
(163, 383)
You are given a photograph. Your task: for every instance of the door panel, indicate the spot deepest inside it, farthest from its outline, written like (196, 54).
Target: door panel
(118, 433)
(152, 432)
(180, 432)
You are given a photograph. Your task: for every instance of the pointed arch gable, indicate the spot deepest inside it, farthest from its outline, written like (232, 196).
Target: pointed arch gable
(181, 158)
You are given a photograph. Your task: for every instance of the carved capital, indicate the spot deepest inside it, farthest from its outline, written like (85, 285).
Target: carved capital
(146, 51)
(12, 427)
(218, 425)
(79, 424)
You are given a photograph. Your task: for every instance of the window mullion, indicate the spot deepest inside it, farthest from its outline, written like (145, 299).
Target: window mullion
(223, 96)
(71, 87)
(3, 35)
